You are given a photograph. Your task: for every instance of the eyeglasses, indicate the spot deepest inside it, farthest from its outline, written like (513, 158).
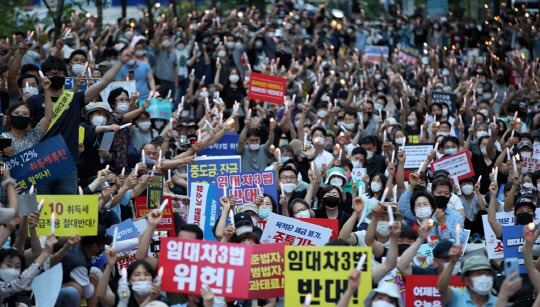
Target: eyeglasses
(288, 177)
(53, 73)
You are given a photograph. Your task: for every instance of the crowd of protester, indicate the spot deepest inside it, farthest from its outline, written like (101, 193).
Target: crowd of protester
(341, 112)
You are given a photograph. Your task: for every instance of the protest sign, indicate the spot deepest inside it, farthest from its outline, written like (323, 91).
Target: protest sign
(375, 54)
(197, 206)
(154, 192)
(267, 88)
(126, 230)
(416, 155)
(358, 173)
(332, 224)
(473, 56)
(267, 271)
(159, 108)
(75, 214)
(421, 290)
(245, 186)
(530, 165)
(395, 277)
(450, 99)
(513, 240)
(516, 79)
(70, 83)
(190, 264)
(437, 8)
(42, 163)
(46, 286)
(27, 204)
(495, 248)
(324, 272)
(129, 86)
(408, 54)
(293, 232)
(459, 165)
(167, 220)
(226, 146)
(536, 150)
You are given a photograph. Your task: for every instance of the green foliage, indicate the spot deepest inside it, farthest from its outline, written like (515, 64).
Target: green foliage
(15, 17)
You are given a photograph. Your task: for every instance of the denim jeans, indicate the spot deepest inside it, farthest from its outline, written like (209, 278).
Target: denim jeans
(66, 185)
(68, 297)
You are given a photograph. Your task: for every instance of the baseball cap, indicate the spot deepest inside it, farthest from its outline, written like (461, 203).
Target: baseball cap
(242, 218)
(442, 249)
(475, 263)
(249, 207)
(525, 144)
(296, 145)
(441, 172)
(525, 200)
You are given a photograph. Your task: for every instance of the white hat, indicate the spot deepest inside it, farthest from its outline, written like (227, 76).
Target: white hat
(385, 288)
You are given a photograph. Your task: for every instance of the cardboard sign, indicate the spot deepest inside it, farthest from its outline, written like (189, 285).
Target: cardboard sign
(126, 230)
(293, 232)
(42, 163)
(167, 220)
(358, 173)
(267, 88)
(154, 192)
(375, 54)
(332, 224)
(75, 214)
(408, 54)
(530, 165)
(324, 272)
(71, 81)
(416, 155)
(495, 247)
(513, 240)
(226, 146)
(450, 99)
(27, 204)
(190, 264)
(46, 286)
(129, 86)
(267, 271)
(421, 290)
(459, 165)
(159, 108)
(245, 186)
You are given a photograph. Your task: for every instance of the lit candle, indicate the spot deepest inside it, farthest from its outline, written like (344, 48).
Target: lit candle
(394, 190)
(115, 234)
(124, 275)
(231, 216)
(80, 191)
(123, 171)
(224, 191)
(479, 179)
(90, 56)
(41, 74)
(125, 125)
(384, 194)
(40, 205)
(163, 205)
(305, 139)
(458, 233)
(531, 228)
(107, 167)
(393, 154)
(159, 276)
(514, 164)
(282, 191)
(143, 159)
(456, 182)
(53, 223)
(136, 169)
(360, 263)
(153, 170)
(390, 214)
(436, 147)
(169, 172)
(515, 115)
(159, 158)
(495, 173)
(31, 189)
(307, 301)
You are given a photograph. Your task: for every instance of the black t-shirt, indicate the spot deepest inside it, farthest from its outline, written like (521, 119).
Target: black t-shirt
(68, 123)
(481, 169)
(342, 216)
(378, 165)
(230, 95)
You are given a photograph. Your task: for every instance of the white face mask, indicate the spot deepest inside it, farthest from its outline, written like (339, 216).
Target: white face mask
(349, 126)
(457, 267)
(320, 140)
(321, 113)
(356, 164)
(99, 120)
(481, 133)
(77, 69)
(132, 62)
(302, 214)
(159, 123)
(443, 133)
(254, 146)
(411, 123)
(528, 185)
(243, 229)
(221, 53)
(400, 140)
(31, 90)
(467, 189)
(142, 287)
(383, 228)
(369, 154)
(289, 187)
(444, 112)
(144, 125)
(423, 213)
(139, 52)
(336, 181)
(375, 187)
(9, 274)
(234, 78)
(381, 303)
(482, 284)
(122, 107)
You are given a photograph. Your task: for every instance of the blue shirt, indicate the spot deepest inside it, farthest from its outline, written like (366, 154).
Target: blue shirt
(140, 70)
(462, 298)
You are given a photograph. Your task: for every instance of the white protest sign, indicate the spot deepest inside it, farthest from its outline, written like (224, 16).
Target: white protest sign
(281, 229)
(459, 165)
(416, 155)
(197, 206)
(536, 150)
(359, 172)
(494, 246)
(530, 165)
(46, 286)
(106, 142)
(129, 86)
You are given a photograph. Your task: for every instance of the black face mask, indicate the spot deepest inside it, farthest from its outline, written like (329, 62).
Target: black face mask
(57, 82)
(369, 113)
(402, 247)
(524, 218)
(441, 201)
(19, 122)
(331, 201)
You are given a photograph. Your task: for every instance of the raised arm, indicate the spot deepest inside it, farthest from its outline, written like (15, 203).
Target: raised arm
(532, 272)
(243, 134)
(376, 246)
(444, 279)
(391, 256)
(495, 225)
(404, 263)
(102, 294)
(220, 227)
(144, 239)
(47, 118)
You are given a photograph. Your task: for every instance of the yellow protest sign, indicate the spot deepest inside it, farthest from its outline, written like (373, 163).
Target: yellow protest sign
(81, 134)
(74, 214)
(323, 271)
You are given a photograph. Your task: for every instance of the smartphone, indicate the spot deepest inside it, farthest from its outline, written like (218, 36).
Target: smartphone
(511, 265)
(4, 143)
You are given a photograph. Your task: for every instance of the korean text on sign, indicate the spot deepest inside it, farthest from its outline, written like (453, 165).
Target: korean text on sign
(324, 272)
(267, 88)
(267, 271)
(459, 165)
(75, 214)
(281, 229)
(190, 264)
(421, 290)
(246, 186)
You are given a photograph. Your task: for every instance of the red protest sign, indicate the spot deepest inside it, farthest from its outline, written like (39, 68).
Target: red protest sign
(190, 264)
(267, 271)
(167, 220)
(333, 224)
(459, 165)
(421, 290)
(267, 88)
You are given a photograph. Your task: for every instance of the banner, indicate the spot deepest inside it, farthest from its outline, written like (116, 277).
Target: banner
(529, 165)
(267, 271)
(70, 83)
(267, 88)
(129, 86)
(75, 214)
(459, 165)
(226, 146)
(154, 192)
(190, 264)
(421, 290)
(197, 204)
(206, 170)
(42, 163)
(332, 224)
(408, 54)
(495, 248)
(375, 54)
(513, 241)
(416, 155)
(293, 232)
(324, 272)
(167, 220)
(450, 99)
(437, 8)
(159, 108)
